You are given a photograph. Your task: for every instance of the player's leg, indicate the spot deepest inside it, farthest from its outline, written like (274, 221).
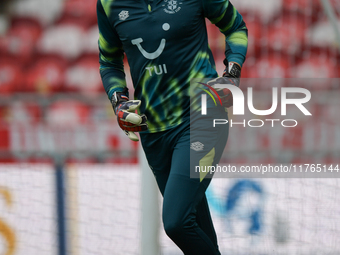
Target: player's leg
(159, 148)
(158, 152)
(184, 197)
(203, 216)
(179, 216)
(204, 220)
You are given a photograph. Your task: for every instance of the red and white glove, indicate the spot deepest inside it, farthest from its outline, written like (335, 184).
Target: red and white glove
(128, 120)
(230, 76)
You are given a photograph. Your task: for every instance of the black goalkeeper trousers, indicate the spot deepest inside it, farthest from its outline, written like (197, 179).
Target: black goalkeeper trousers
(174, 156)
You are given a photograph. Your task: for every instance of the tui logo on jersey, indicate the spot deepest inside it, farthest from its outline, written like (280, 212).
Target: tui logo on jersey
(172, 6)
(161, 69)
(158, 52)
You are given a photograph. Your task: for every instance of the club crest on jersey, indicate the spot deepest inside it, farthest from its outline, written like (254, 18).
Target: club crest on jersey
(172, 6)
(123, 15)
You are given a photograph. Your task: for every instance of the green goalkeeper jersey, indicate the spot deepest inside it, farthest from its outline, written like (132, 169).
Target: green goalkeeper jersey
(166, 45)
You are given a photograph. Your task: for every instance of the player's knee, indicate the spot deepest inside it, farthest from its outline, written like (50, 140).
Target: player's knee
(173, 226)
(176, 227)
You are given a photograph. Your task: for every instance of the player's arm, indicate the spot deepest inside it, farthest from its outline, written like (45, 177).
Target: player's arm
(111, 68)
(225, 16)
(230, 22)
(111, 54)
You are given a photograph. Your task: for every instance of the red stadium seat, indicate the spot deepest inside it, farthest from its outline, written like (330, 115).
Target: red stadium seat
(82, 21)
(62, 39)
(267, 67)
(46, 75)
(299, 5)
(264, 9)
(45, 11)
(22, 112)
(316, 67)
(30, 25)
(287, 34)
(67, 113)
(10, 76)
(321, 34)
(306, 6)
(82, 10)
(21, 38)
(84, 77)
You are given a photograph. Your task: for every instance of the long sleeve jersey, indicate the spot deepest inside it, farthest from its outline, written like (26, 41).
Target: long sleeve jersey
(166, 45)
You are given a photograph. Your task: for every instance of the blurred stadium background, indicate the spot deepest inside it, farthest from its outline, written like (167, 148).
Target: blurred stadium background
(71, 182)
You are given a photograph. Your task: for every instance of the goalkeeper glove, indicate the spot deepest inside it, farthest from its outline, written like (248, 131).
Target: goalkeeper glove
(230, 76)
(128, 120)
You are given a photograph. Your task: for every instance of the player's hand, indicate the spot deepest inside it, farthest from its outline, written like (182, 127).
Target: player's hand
(231, 77)
(128, 120)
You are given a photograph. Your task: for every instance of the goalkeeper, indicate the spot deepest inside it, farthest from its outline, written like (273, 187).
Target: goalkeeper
(166, 46)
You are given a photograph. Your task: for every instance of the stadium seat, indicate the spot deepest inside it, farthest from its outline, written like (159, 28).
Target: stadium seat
(287, 34)
(266, 10)
(10, 76)
(83, 76)
(307, 6)
(271, 66)
(82, 10)
(322, 34)
(45, 11)
(299, 5)
(46, 75)
(20, 40)
(316, 66)
(22, 112)
(63, 39)
(67, 113)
